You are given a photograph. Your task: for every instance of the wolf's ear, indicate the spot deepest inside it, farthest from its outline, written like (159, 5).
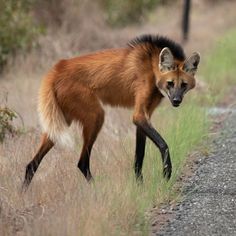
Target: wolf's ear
(166, 60)
(191, 64)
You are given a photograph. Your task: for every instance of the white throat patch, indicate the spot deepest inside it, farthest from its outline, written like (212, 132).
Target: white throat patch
(164, 93)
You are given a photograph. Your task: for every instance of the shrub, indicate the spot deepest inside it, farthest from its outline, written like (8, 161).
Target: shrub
(17, 29)
(6, 119)
(127, 11)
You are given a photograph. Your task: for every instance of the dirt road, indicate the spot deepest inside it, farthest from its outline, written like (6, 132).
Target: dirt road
(209, 200)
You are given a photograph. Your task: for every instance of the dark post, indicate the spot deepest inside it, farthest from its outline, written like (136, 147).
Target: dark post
(185, 19)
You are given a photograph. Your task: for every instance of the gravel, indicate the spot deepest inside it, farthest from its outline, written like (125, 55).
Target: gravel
(209, 201)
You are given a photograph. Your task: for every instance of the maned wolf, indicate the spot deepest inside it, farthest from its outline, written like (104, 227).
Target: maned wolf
(138, 76)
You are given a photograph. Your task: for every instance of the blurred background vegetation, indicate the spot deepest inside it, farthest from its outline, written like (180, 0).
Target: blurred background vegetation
(123, 12)
(22, 22)
(18, 29)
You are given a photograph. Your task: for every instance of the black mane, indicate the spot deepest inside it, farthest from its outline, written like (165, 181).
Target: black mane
(160, 42)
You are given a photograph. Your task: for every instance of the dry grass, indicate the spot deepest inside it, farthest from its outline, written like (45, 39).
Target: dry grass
(60, 196)
(59, 201)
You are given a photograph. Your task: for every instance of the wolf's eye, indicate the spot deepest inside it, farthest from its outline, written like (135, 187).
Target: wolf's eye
(184, 85)
(170, 84)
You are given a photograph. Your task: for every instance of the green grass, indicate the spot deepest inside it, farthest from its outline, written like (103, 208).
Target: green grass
(219, 67)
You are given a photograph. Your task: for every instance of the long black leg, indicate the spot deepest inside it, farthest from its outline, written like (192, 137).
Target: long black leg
(32, 167)
(160, 143)
(84, 161)
(139, 153)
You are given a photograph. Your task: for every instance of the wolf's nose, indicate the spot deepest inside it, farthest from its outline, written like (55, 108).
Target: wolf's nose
(176, 101)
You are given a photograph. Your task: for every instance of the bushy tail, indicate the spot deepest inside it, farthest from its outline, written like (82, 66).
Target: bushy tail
(51, 117)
